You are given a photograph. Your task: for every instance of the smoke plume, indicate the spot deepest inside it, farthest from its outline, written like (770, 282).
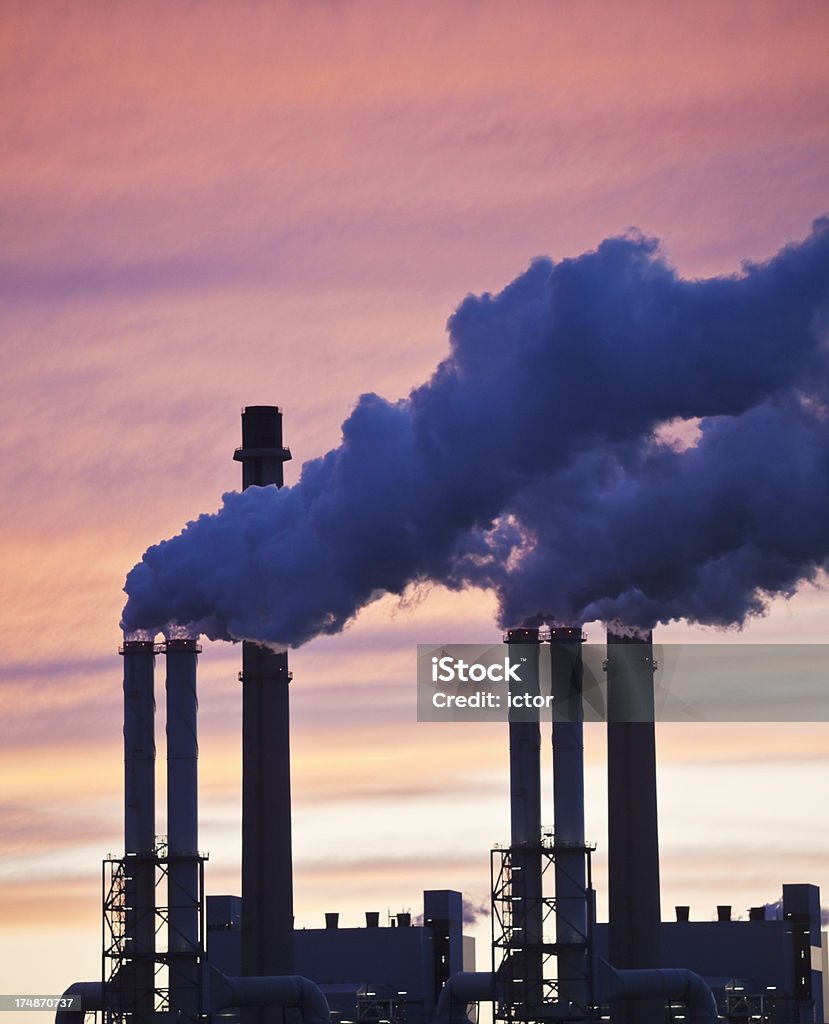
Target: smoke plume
(474, 910)
(535, 462)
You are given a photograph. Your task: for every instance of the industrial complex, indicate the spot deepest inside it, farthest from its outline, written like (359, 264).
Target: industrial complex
(174, 953)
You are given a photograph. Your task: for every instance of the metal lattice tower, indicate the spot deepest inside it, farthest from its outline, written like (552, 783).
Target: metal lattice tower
(128, 998)
(509, 947)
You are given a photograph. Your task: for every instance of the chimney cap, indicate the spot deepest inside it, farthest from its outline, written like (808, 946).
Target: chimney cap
(522, 635)
(183, 643)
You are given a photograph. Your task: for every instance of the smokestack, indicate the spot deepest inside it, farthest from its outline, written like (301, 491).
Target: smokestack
(184, 939)
(526, 963)
(139, 817)
(372, 919)
(267, 869)
(568, 827)
(262, 453)
(633, 841)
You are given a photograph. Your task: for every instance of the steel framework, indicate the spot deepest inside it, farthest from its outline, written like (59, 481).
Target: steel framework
(125, 994)
(510, 953)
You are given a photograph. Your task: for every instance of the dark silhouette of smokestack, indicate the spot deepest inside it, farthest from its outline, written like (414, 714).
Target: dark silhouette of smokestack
(526, 965)
(267, 870)
(139, 818)
(633, 840)
(184, 938)
(566, 672)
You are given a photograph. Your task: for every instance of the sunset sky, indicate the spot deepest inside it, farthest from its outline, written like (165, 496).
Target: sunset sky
(213, 205)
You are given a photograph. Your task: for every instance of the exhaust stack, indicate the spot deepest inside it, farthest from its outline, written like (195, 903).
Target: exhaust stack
(267, 870)
(526, 962)
(139, 820)
(571, 883)
(184, 939)
(633, 840)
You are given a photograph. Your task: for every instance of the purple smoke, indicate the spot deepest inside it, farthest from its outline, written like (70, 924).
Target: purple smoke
(529, 463)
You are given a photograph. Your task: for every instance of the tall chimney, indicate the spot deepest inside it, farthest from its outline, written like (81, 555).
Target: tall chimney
(139, 817)
(267, 871)
(633, 840)
(526, 963)
(184, 940)
(568, 818)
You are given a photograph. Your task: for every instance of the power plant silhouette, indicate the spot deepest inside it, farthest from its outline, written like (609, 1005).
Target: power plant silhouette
(172, 953)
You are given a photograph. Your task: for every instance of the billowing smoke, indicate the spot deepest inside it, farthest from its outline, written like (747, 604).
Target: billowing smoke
(646, 533)
(534, 462)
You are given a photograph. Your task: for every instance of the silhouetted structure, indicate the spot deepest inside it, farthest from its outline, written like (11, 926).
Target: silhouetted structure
(768, 969)
(571, 854)
(267, 865)
(632, 824)
(229, 957)
(392, 972)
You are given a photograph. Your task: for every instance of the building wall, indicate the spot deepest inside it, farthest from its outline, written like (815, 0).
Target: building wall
(224, 934)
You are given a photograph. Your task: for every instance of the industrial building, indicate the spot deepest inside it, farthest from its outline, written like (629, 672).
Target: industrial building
(172, 953)
(392, 970)
(771, 966)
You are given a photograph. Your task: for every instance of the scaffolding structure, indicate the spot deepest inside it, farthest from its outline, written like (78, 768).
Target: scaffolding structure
(136, 983)
(510, 952)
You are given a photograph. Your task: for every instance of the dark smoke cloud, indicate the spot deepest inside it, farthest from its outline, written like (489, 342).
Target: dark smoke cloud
(473, 911)
(646, 533)
(528, 463)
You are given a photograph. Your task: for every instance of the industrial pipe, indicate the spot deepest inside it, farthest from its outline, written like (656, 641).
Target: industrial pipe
(285, 990)
(91, 995)
(662, 985)
(460, 990)
(183, 883)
